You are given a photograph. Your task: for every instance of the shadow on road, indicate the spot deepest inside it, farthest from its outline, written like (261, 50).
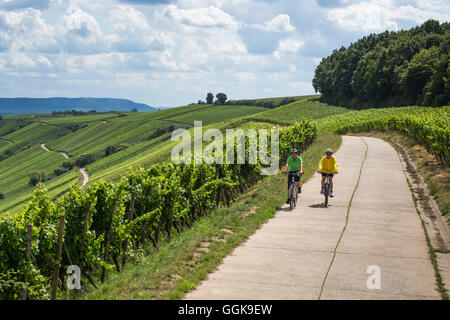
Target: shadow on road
(285, 208)
(316, 206)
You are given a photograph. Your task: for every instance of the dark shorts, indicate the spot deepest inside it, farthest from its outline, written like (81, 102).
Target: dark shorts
(294, 174)
(327, 174)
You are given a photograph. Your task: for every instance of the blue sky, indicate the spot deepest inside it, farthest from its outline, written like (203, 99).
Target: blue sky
(170, 53)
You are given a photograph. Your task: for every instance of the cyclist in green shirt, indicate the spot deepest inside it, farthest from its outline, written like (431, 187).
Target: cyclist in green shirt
(295, 166)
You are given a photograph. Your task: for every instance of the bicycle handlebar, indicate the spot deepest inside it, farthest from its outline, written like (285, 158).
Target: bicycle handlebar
(287, 172)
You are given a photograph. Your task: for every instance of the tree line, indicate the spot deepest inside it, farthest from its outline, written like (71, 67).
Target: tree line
(72, 113)
(221, 98)
(408, 67)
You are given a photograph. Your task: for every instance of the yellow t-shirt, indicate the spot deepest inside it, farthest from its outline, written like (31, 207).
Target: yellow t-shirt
(328, 165)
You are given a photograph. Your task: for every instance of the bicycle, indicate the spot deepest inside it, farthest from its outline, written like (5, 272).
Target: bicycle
(326, 187)
(293, 192)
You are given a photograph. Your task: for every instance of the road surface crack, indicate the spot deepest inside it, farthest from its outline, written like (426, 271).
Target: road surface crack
(346, 221)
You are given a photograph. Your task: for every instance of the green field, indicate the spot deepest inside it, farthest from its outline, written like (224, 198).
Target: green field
(139, 131)
(216, 114)
(308, 108)
(14, 178)
(146, 138)
(98, 131)
(92, 135)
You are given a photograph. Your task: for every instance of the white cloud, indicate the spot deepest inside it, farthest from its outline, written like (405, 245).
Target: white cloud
(201, 17)
(281, 23)
(128, 19)
(44, 61)
(21, 4)
(20, 60)
(376, 16)
(81, 33)
(367, 16)
(26, 30)
(111, 48)
(246, 76)
(80, 24)
(133, 33)
(287, 46)
(168, 62)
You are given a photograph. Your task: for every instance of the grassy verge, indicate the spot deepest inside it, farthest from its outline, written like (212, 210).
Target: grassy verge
(182, 263)
(436, 176)
(431, 251)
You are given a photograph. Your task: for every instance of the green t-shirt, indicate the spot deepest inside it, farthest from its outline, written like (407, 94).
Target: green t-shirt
(294, 165)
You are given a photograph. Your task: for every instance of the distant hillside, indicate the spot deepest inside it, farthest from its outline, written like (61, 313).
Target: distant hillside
(47, 105)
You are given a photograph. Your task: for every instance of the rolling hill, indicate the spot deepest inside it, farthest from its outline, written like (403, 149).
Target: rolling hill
(144, 134)
(47, 105)
(166, 198)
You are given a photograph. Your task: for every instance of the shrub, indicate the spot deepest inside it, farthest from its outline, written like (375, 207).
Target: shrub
(76, 127)
(286, 101)
(2, 195)
(60, 171)
(37, 177)
(116, 148)
(68, 165)
(84, 160)
(162, 130)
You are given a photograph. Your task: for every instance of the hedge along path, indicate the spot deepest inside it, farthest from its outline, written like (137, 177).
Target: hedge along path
(82, 171)
(289, 257)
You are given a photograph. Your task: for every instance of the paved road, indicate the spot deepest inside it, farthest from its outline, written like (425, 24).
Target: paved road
(313, 252)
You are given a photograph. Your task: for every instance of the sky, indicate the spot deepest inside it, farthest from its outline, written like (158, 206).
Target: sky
(173, 52)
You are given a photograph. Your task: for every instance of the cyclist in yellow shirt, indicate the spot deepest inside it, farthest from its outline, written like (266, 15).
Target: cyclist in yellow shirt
(328, 166)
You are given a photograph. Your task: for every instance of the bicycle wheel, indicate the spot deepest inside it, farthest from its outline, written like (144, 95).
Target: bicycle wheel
(295, 196)
(326, 193)
(291, 197)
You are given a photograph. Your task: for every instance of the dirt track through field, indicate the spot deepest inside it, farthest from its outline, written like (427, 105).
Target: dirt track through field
(82, 171)
(370, 231)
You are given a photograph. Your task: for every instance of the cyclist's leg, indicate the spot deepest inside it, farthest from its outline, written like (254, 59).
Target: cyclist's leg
(331, 182)
(323, 182)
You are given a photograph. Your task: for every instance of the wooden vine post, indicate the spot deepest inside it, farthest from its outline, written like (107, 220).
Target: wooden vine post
(62, 220)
